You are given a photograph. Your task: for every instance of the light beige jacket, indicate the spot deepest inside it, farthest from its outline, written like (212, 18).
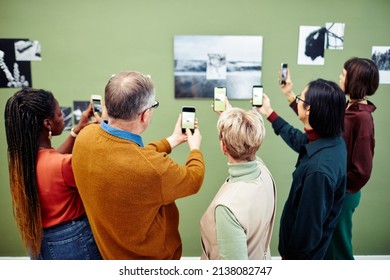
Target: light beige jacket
(253, 203)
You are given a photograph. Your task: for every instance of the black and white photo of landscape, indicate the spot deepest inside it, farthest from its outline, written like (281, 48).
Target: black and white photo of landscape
(202, 62)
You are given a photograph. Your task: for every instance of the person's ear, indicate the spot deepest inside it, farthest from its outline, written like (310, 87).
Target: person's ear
(145, 115)
(223, 147)
(47, 124)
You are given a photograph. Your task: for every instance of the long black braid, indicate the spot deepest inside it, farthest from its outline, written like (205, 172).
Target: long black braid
(24, 115)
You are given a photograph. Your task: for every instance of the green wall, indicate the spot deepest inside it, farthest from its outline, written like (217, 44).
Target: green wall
(84, 42)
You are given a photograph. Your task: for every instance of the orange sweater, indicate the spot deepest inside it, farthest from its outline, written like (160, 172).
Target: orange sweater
(129, 193)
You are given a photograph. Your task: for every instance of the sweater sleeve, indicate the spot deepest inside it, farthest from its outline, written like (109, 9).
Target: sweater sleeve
(67, 171)
(293, 137)
(294, 107)
(360, 168)
(231, 236)
(161, 146)
(178, 180)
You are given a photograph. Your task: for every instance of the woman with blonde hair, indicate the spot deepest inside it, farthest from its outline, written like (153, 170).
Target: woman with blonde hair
(238, 223)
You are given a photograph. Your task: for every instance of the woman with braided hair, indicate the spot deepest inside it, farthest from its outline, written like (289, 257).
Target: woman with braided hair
(47, 207)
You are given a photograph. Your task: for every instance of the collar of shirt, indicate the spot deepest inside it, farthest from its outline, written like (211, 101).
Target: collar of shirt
(356, 107)
(127, 135)
(321, 143)
(311, 134)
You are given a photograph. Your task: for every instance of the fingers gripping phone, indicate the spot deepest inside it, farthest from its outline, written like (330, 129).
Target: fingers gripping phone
(257, 96)
(219, 99)
(188, 119)
(97, 104)
(283, 73)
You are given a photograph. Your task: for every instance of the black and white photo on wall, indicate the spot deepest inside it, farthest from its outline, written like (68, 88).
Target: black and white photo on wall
(334, 36)
(78, 108)
(202, 62)
(15, 66)
(314, 40)
(381, 56)
(67, 113)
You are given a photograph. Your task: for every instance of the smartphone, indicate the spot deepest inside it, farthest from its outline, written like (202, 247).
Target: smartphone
(283, 73)
(188, 119)
(97, 104)
(219, 99)
(257, 96)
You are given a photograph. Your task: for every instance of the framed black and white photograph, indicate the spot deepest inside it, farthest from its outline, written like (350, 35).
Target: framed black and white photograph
(381, 57)
(311, 45)
(13, 73)
(202, 62)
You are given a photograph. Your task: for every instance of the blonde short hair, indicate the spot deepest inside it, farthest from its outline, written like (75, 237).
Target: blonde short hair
(242, 132)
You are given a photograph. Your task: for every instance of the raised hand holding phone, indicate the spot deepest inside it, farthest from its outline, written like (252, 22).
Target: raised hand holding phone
(286, 84)
(188, 119)
(283, 73)
(257, 95)
(219, 99)
(97, 104)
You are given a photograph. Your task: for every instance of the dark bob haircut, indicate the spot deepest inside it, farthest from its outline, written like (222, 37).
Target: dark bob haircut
(327, 107)
(362, 77)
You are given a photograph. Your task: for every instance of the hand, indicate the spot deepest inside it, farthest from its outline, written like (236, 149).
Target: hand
(85, 119)
(104, 115)
(194, 139)
(227, 106)
(287, 88)
(266, 108)
(177, 136)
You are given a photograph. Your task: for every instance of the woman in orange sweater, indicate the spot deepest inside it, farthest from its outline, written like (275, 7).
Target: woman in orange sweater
(47, 206)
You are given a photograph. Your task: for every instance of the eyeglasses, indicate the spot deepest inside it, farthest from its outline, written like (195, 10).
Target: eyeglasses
(154, 106)
(297, 99)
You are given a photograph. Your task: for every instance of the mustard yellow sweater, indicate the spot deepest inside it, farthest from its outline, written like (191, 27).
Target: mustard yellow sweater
(129, 193)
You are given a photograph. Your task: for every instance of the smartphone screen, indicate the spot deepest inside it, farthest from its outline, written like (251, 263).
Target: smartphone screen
(283, 73)
(219, 99)
(97, 104)
(188, 119)
(257, 96)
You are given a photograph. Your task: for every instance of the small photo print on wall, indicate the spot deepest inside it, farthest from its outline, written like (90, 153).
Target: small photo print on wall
(67, 112)
(311, 45)
(381, 57)
(26, 50)
(78, 108)
(202, 62)
(13, 73)
(334, 39)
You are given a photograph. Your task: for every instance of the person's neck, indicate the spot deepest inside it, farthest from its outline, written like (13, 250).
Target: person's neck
(233, 160)
(44, 141)
(356, 101)
(126, 125)
(44, 145)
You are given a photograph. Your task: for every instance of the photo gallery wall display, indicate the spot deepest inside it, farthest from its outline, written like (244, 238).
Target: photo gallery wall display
(15, 58)
(203, 62)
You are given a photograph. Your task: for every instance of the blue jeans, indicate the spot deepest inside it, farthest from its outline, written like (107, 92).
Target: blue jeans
(71, 240)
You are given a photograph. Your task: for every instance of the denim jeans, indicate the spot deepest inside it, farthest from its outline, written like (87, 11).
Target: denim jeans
(71, 240)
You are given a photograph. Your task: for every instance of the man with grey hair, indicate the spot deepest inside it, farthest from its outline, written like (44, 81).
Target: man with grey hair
(128, 189)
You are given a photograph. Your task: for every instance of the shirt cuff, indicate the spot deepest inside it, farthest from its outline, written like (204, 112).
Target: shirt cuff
(272, 117)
